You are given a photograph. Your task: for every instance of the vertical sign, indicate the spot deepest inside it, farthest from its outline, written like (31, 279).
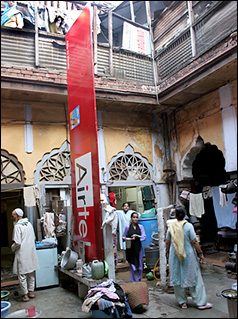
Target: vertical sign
(83, 138)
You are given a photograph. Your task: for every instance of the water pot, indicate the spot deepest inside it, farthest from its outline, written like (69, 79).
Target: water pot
(97, 269)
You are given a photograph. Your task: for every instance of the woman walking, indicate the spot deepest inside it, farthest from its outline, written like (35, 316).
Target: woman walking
(183, 262)
(134, 254)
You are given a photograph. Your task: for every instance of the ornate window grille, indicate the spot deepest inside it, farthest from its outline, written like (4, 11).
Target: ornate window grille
(131, 167)
(54, 166)
(12, 175)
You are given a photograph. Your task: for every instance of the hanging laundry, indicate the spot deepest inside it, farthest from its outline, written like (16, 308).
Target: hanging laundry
(110, 217)
(196, 205)
(148, 197)
(224, 215)
(112, 199)
(29, 196)
(223, 199)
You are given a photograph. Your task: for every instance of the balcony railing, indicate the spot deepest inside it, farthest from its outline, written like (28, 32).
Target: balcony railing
(18, 48)
(211, 27)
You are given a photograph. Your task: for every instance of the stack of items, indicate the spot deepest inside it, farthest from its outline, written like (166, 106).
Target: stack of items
(107, 299)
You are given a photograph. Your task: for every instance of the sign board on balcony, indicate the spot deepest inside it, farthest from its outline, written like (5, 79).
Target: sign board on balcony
(136, 39)
(83, 138)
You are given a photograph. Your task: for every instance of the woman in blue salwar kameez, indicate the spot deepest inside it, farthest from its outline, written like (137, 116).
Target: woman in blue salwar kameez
(184, 268)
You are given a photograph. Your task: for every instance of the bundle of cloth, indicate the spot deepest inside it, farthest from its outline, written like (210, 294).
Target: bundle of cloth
(108, 297)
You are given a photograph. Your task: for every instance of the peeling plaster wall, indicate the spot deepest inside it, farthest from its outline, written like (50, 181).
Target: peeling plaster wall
(201, 117)
(45, 138)
(119, 131)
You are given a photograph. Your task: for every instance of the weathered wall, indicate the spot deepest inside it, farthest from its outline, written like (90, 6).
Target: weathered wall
(119, 131)
(201, 117)
(45, 138)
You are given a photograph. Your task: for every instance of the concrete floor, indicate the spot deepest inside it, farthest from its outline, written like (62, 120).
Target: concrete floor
(56, 302)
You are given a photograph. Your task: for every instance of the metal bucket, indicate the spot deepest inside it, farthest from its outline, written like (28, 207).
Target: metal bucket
(69, 259)
(231, 297)
(128, 243)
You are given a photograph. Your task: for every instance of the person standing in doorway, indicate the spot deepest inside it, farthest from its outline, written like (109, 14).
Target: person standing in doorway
(182, 252)
(134, 254)
(26, 260)
(124, 217)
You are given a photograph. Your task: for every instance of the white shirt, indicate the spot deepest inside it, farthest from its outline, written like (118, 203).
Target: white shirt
(26, 260)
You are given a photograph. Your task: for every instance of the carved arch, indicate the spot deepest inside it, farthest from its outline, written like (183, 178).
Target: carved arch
(54, 168)
(129, 168)
(12, 174)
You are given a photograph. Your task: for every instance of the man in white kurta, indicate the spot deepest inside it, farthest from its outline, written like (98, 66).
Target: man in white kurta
(26, 260)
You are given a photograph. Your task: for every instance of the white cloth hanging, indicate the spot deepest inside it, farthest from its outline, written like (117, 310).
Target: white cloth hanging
(29, 196)
(196, 205)
(110, 217)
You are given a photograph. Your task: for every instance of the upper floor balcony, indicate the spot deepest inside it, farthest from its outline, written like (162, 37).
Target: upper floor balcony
(187, 39)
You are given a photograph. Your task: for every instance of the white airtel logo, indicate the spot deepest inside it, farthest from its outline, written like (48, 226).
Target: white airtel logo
(84, 189)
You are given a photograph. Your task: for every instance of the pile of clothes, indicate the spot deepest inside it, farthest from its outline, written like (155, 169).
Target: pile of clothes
(108, 297)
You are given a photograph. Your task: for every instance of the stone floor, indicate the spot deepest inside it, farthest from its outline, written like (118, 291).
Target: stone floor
(56, 302)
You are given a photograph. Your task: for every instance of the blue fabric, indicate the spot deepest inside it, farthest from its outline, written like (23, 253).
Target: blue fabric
(9, 12)
(184, 273)
(224, 215)
(127, 309)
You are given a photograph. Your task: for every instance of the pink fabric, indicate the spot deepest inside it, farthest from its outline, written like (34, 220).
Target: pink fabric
(234, 210)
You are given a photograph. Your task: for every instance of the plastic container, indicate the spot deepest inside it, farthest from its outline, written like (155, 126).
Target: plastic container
(79, 266)
(151, 227)
(22, 314)
(151, 255)
(31, 311)
(149, 213)
(155, 239)
(69, 259)
(97, 269)
(5, 305)
(5, 295)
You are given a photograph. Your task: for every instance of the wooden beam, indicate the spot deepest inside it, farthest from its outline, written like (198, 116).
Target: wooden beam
(36, 34)
(155, 68)
(110, 38)
(132, 11)
(192, 32)
(9, 283)
(129, 21)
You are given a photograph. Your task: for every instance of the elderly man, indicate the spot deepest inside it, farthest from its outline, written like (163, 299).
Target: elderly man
(26, 260)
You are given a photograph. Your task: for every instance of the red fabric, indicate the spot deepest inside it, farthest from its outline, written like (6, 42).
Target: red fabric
(112, 199)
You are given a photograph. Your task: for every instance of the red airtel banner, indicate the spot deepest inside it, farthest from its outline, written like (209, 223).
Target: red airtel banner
(83, 138)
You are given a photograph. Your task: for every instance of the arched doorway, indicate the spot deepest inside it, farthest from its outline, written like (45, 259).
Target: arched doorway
(12, 183)
(129, 177)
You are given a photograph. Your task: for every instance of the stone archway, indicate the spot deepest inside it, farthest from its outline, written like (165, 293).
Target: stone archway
(189, 158)
(209, 166)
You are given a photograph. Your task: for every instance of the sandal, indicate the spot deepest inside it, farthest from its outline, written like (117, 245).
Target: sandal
(207, 306)
(25, 298)
(31, 294)
(184, 305)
